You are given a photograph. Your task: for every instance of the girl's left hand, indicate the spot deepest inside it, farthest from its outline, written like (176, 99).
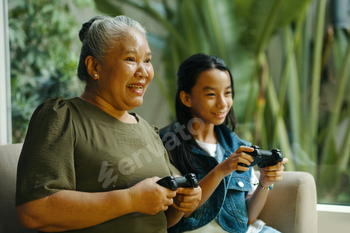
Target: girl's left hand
(272, 174)
(187, 199)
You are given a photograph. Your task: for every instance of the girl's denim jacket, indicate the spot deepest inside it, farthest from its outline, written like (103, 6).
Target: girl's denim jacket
(227, 203)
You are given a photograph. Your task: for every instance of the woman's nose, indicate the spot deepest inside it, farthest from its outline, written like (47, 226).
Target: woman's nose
(141, 71)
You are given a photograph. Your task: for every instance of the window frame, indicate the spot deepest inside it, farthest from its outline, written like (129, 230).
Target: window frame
(5, 88)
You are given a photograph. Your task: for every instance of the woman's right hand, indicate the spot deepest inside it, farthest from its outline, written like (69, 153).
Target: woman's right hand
(148, 197)
(231, 163)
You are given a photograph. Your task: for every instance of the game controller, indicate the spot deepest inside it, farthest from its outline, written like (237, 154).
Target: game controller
(263, 158)
(173, 183)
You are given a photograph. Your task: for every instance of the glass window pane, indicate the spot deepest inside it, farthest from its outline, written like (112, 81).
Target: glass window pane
(291, 83)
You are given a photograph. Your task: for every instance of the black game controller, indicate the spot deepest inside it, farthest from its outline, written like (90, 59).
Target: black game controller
(173, 183)
(263, 158)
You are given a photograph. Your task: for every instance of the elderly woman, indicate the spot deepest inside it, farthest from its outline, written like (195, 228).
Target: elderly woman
(87, 165)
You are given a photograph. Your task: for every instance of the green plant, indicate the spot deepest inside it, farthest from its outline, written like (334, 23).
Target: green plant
(43, 37)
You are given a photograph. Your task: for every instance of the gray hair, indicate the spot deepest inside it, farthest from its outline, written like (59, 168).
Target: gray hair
(99, 35)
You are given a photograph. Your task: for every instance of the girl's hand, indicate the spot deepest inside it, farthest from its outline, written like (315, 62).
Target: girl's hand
(272, 174)
(187, 199)
(231, 163)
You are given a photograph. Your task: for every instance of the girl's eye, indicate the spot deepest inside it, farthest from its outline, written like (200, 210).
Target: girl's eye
(228, 93)
(210, 94)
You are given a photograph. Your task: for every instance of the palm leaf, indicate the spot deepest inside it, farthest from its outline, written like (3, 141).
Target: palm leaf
(263, 18)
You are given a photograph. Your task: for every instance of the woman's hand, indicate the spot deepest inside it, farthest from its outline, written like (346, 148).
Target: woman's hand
(148, 197)
(272, 174)
(231, 163)
(187, 199)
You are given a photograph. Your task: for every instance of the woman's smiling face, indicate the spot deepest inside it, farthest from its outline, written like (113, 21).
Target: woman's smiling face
(211, 97)
(125, 73)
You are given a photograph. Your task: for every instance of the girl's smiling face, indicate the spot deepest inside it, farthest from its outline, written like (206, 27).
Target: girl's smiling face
(125, 73)
(211, 97)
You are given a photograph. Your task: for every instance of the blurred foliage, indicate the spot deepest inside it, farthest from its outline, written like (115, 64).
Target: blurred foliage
(290, 68)
(43, 37)
(289, 61)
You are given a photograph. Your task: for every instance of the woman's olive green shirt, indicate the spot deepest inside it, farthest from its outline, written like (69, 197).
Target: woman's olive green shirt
(73, 145)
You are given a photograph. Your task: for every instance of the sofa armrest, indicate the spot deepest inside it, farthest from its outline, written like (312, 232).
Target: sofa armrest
(9, 222)
(292, 204)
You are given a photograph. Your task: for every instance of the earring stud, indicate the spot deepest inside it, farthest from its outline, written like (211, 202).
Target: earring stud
(95, 75)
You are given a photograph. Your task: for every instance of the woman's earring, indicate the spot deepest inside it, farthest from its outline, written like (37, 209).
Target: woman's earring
(95, 75)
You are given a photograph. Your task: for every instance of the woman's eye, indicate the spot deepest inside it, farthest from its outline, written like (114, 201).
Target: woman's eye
(228, 93)
(148, 61)
(130, 59)
(210, 94)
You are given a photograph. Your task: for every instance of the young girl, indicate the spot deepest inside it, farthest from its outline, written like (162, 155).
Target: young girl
(202, 140)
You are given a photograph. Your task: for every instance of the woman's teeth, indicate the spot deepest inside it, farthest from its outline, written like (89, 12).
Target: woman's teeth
(134, 86)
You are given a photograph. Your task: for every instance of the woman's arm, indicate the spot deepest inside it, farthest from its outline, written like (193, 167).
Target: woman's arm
(68, 210)
(268, 175)
(211, 181)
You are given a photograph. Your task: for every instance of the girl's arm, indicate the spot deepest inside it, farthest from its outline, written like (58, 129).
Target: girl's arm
(211, 181)
(257, 200)
(186, 200)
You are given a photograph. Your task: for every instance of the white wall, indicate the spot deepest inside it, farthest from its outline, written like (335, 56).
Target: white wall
(332, 218)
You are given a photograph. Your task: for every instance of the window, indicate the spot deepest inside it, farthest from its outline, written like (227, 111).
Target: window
(294, 96)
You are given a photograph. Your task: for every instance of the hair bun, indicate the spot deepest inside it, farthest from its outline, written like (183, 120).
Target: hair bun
(85, 28)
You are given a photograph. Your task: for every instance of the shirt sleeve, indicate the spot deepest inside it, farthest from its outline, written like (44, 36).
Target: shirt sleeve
(46, 163)
(254, 182)
(172, 169)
